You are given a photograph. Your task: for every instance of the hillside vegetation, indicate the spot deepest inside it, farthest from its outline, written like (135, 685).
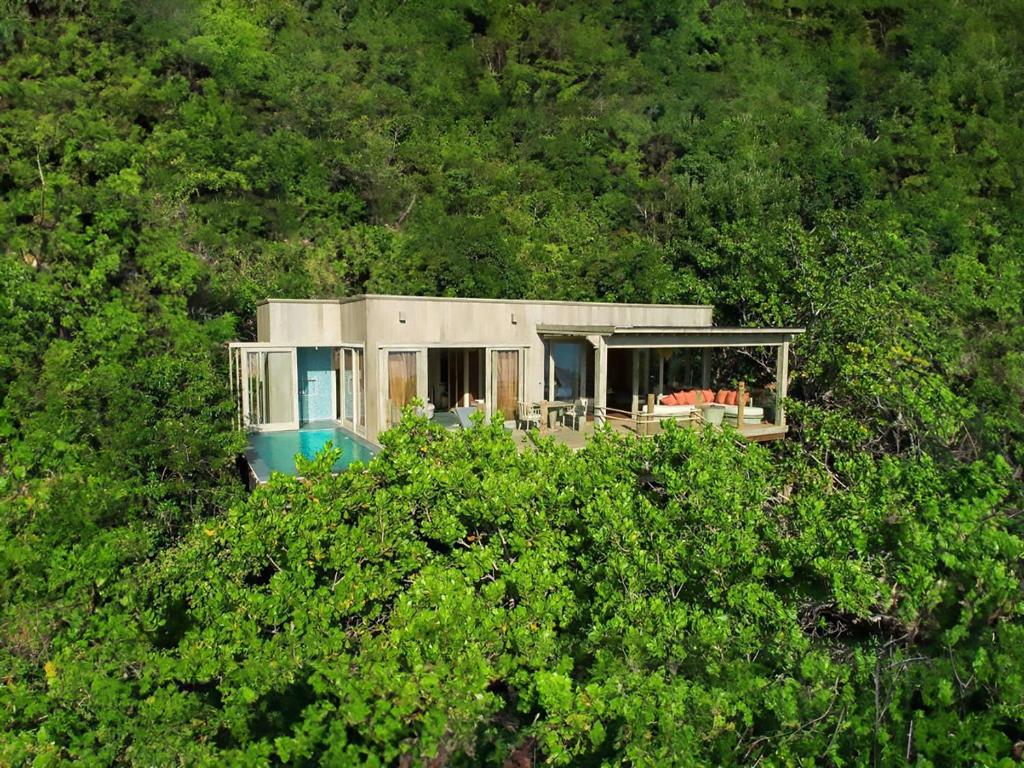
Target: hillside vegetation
(851, 596)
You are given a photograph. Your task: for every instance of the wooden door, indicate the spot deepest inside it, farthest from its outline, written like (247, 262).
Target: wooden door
(505, 366)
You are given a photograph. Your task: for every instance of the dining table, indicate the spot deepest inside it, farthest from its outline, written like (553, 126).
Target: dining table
(548, 407)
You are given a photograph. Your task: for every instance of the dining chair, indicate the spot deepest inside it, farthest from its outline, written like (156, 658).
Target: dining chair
(577, 413)
(528, 413)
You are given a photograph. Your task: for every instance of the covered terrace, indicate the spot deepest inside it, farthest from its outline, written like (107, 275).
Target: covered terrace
(634, 369)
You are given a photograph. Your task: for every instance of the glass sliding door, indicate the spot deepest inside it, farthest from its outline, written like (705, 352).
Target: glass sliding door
(402, 382)
(268, 389)
(360, 378)
(350, 387)
(566, 370)
(506, 373)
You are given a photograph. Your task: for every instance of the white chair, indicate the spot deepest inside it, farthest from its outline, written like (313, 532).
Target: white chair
(577, 413)
(426, 410)
(528, 413)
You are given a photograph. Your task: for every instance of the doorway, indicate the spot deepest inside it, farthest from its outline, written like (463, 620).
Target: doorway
(455, 377)
(506, 371)
(316, 384)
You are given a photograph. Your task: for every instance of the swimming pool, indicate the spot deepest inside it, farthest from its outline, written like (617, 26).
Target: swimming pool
(275, 451)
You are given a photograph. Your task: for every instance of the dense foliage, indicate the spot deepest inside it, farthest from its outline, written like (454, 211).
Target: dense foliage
(850, 596)
(683, 599)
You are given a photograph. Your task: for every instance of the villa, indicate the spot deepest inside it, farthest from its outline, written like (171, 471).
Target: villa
(350, 365)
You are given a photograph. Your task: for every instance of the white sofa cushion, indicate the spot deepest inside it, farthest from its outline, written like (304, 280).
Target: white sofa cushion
(749, 412)
(673, 410)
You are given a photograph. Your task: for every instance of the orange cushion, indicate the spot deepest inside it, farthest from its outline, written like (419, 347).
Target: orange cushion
(746, 398)
(721, 396)
(669, 400)
(686, 398)
(730, 397)
(709, 395)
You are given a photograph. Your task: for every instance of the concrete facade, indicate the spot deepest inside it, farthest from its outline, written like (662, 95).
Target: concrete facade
(378, 325)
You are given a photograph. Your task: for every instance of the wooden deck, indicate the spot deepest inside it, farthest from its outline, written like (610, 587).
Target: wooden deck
(577, 439)
(763, 432)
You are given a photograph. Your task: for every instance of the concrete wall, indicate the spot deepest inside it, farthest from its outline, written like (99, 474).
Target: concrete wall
(353, 320)
(299, 323)
(415, 322)
(263, 322)
(467, 321)
(407, 320)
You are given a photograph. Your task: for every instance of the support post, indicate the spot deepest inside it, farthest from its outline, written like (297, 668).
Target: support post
(488, 385)
(357, 376)
(581, 386)
(741, 395)
(649, 415)
(297, 411)
(601, 382)
(465, 378)
(434, 370)
(241, 384)
(645, 371)
(781, 383)
(231, 380)
(422, 385)
(383, 391)
(244, 359)
(550, 351)
(705, 368)
(634, 405)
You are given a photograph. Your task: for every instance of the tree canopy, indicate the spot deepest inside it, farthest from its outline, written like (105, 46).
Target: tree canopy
(851, 596)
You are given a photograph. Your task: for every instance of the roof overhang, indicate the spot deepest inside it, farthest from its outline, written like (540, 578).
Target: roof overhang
(574, 330)
(628, 337)
(643, 337)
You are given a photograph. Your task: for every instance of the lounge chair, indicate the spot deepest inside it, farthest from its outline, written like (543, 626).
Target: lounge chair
(446, 419)
(464, 413)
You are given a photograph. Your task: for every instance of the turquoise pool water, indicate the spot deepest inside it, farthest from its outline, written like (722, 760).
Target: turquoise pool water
(275, 451)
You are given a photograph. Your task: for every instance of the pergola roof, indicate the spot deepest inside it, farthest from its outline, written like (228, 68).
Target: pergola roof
(703, 329)
(627, 337)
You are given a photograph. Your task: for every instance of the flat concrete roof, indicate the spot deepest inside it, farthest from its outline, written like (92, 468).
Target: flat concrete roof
(386, 296)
